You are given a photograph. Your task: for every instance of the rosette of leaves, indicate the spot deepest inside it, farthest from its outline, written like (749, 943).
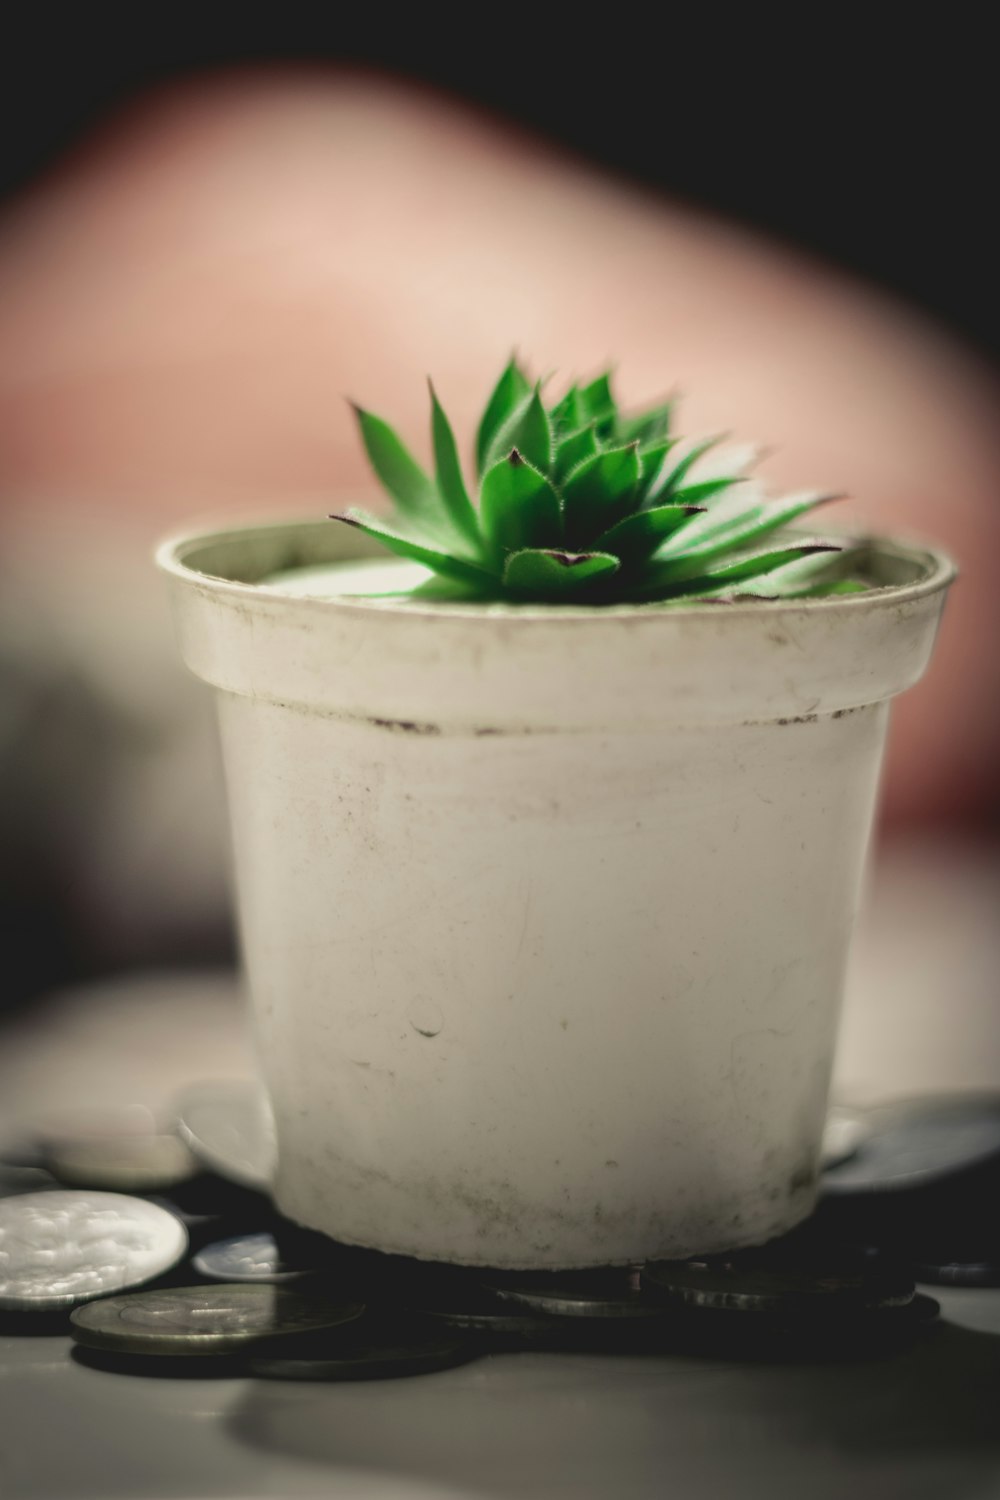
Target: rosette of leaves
(580, 503)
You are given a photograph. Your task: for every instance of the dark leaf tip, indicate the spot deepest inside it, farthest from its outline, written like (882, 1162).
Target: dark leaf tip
(568, 559)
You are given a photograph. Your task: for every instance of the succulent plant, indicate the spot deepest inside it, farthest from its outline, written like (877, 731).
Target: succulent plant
(580, 503)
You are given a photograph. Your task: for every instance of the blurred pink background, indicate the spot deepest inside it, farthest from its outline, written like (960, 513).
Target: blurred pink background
(186, 300)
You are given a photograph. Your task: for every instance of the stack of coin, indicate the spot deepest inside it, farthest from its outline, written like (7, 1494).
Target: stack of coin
(194, 1262)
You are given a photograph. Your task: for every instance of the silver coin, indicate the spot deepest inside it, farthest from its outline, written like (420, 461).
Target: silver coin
(843, 1135)
(918, 1143)
(127, 1164)
(229, 1128)
(372, 1355)
(608, 1294)
(489, 1316)
(753, 1283)
(459, 1303)
(58, 1248)
(247, 1257)
(194, 1320)
(942, 1271)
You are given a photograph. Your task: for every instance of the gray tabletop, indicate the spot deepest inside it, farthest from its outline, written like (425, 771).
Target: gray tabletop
(924, 1423)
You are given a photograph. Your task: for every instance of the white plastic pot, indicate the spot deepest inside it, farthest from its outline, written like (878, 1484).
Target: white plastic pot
(546, 911)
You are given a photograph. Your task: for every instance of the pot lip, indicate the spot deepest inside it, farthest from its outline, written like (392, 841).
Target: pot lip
(937, 571)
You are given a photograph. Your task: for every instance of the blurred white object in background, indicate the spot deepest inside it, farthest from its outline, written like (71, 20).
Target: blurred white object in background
(108, 757)
(923, 1005)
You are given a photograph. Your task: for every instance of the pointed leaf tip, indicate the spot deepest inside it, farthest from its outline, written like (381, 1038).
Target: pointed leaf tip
(415, 549)
(518, 508)
(598, 492)
(450, 480)
(552, 574)
(569, 559)
(506, 399)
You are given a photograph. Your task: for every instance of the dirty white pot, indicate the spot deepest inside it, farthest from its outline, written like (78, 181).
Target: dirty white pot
(546, 910)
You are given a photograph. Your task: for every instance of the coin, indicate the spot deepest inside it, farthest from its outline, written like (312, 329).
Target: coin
(229, 1127)
(456, 1298)
(613, 1293)
(189, 1320)
(753, 1283)
(372, 1353)
(919, 1143)
(128, 1163)
(852, 1334)
(61, 1247)
(975, 1270)
(249, 1257)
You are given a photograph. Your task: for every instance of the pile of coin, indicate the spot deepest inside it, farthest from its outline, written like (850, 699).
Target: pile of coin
(188, 1259)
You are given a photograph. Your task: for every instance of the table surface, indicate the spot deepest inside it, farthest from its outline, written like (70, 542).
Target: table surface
(922, 1423)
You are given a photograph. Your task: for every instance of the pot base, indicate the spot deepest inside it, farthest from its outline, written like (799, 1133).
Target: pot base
(705, 1233)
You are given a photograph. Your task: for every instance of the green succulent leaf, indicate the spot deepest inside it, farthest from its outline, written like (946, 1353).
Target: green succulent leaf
(531, 434)
(450, 482)
(568, 414)
(669, 478)
(775, 587)
(518, 508)
(648, 426)
(810, 577)
(507, 396)
(638, 536)
(766, 562)
(416, 496)
(597, 402)
(529, 430)
(708, 489)
(717, 533)
(824, 590)
(547, 574)
(723, 576)
(441, 589)
(599, 492)
(653, 460)
(572, 450)
(418, 550)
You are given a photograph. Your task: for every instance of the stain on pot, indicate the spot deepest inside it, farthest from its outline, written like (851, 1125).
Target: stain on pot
(406, 726)
(426, 1017)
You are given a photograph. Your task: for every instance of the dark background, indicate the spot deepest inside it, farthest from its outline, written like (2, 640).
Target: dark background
(873, 144)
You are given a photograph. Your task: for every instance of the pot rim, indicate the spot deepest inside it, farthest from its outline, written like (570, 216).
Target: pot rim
(175, 555)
